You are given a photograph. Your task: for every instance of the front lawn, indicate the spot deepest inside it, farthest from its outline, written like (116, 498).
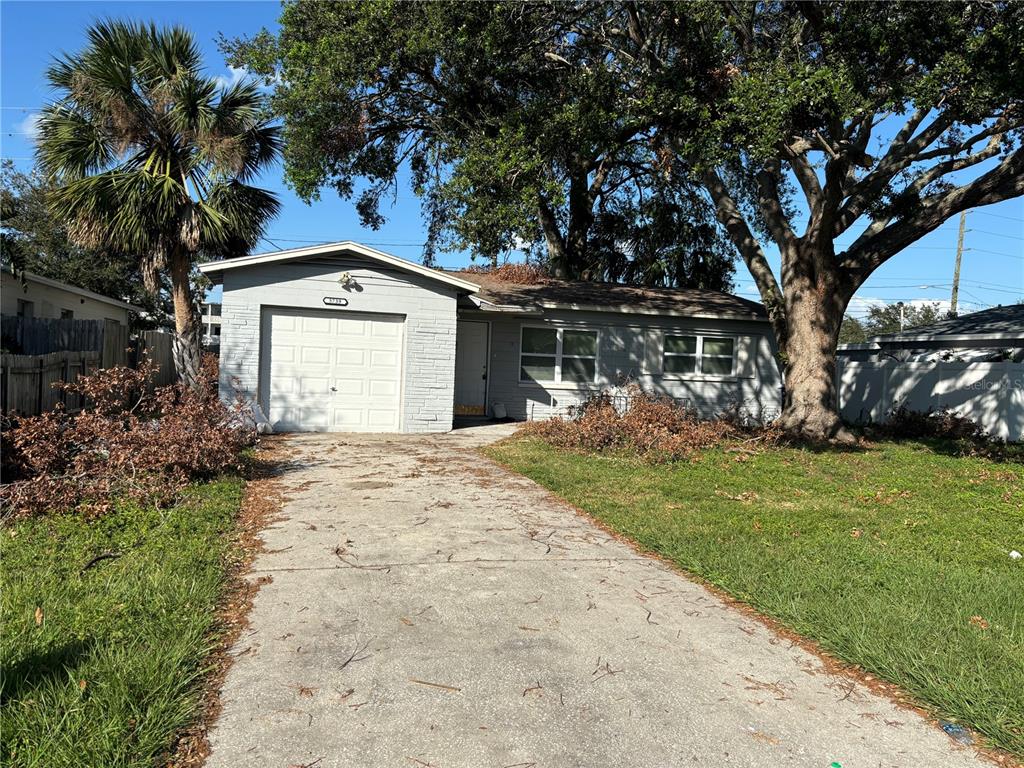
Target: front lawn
(895, 558)
(101, 665)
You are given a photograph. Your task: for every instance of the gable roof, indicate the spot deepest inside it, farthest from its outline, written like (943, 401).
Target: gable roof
(214, 269)
(995, 323)
(610, 297)
(34, 278)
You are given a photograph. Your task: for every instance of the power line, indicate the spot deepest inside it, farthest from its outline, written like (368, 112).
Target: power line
(996, 234)
(1000, 216)
(996, 253)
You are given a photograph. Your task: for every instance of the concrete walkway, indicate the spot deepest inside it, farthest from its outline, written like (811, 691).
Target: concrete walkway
(428, 608)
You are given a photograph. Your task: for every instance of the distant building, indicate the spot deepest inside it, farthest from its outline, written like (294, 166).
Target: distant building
(991, 335)
(34, 296)
(211, 324)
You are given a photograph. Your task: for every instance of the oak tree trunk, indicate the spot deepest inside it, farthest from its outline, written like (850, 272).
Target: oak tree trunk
(581, 216)
(814, 313)
(187, 348)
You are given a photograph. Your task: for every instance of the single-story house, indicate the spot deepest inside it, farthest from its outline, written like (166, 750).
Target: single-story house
(342, 337)
(991, 335)
(34, 296)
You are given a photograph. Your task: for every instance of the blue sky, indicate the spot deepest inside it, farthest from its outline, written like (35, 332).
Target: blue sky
(32, 32)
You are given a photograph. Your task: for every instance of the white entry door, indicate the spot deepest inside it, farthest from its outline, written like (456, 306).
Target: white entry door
(471, 368)
(327, 371)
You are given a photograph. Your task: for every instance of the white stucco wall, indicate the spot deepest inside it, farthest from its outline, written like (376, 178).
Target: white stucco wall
(630, 348)
(427, 306)
(48, 301)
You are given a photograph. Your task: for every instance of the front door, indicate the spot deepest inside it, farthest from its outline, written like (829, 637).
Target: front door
(471, 368)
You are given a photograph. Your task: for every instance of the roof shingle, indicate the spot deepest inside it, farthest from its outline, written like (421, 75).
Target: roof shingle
(569, 294)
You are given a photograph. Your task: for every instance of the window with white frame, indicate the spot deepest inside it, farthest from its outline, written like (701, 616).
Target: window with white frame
(556, 355)
(693, 353)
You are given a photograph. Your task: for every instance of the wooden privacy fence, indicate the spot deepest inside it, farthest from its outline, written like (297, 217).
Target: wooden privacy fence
(157, 346)
(27, 380)
(43, 335)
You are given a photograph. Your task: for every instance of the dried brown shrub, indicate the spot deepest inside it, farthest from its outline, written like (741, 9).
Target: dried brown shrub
(133, 441)
(960, 435)
(652, 427)
(902, 423)
(516, 273)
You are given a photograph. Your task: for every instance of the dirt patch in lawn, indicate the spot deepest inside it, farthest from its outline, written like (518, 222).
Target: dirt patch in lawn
(261, 506)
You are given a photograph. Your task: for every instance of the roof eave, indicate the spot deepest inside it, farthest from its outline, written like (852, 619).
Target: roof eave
(85, 293)
(628, 309)
(947, 337)
(215, 269)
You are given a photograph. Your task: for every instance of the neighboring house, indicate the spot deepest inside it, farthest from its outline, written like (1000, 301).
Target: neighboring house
(34, 296)
(989, 335)
(211, 323)
(972, 364)
(343, 337)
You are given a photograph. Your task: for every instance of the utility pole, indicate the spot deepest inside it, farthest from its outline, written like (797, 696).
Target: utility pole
(956, 269)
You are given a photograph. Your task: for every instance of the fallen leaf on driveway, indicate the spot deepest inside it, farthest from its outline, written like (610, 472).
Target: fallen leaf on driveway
(434, 685)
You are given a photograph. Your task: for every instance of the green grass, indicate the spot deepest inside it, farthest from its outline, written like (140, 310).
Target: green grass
(111, 673)
(881, 556)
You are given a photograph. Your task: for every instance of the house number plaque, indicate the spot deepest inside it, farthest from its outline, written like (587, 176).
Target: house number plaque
(335, 301)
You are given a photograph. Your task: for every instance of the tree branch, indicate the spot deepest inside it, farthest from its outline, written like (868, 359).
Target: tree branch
(796, 157)
(729, 215)
(872, 249)
(771, 206)
(902, 153)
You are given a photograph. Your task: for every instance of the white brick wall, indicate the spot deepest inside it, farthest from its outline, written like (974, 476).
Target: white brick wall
(428, 308)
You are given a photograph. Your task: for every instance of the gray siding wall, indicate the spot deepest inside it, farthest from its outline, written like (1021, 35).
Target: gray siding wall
(630, 347)
(428, 308)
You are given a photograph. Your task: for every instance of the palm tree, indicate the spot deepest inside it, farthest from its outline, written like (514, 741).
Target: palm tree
(152, 158)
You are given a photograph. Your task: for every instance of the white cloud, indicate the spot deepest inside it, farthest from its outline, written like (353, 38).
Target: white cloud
(944, 304)
(30, 125)
(234, 76)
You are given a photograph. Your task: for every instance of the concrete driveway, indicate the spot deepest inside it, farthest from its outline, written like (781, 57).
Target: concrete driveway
(428, 608)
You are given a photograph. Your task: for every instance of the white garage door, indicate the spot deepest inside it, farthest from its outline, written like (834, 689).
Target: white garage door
(332, 371)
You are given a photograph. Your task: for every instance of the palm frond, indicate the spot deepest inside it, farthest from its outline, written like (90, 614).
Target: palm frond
(153, 156)
(244, 213)
(70, 145)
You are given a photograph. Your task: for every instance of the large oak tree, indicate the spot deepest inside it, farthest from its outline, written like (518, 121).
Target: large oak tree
(878, 119)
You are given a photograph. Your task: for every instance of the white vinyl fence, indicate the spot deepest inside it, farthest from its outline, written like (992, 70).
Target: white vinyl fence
(990, 393)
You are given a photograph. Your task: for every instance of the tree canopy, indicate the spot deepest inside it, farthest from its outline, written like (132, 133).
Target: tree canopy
(878, 119)
(33, 240)
(517, 131)
(889, 318)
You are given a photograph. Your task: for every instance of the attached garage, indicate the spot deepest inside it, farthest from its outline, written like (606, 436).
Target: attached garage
(339, 338)
(330, 371)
